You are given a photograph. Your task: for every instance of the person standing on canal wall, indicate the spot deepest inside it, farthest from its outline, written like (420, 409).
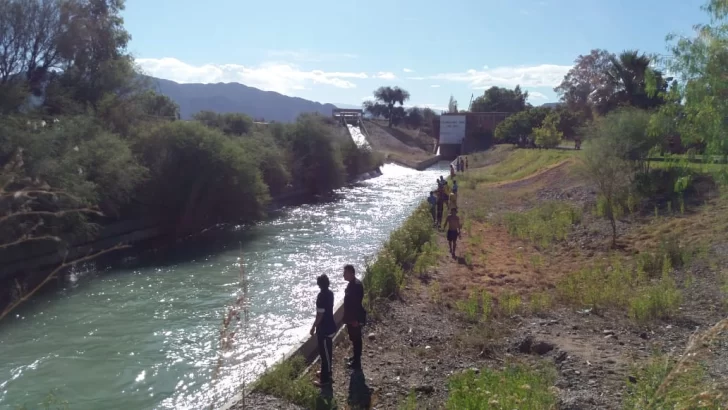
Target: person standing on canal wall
(354, 314)
(324, 327)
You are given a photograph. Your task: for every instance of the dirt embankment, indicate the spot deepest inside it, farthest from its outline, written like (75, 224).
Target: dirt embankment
(406, 147)
(415, 344)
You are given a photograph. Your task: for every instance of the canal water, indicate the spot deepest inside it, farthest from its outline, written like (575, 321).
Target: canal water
(147, 338)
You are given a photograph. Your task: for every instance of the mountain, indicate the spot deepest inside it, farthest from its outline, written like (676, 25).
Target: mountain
(552, 105)
(234, 97)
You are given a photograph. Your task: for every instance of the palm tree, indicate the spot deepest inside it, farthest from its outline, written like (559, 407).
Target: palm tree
(389, 97)
(627, 81)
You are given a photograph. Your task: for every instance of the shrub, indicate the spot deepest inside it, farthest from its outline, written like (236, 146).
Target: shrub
(225, 184)
(400, 254)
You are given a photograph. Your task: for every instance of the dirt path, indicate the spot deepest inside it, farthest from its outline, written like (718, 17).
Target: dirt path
(418, 342)
(413, 345)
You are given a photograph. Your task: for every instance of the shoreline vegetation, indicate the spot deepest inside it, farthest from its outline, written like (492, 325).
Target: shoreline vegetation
(520, 342)
(410, 249)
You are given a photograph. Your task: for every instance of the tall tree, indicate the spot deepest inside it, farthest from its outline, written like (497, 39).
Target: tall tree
(452, 105)
(30, 38)
(586, 81)
(385, 101)
(627, 78)
(497, 99)
(698, 102)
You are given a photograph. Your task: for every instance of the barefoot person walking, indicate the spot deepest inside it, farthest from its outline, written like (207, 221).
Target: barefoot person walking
(452, 223)
(324, 327)
(354, 314)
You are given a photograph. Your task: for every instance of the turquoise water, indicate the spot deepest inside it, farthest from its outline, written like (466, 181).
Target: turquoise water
(148, 338)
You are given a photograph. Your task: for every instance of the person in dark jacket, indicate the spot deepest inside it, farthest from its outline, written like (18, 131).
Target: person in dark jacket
(432, 200)
(324, 327)
(354, 314)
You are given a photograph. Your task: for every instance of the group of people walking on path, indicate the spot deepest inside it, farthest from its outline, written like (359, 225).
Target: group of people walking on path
(443, 196)
(324, 326)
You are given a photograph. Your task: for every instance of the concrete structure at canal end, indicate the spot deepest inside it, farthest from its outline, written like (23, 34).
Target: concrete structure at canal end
(461, 133)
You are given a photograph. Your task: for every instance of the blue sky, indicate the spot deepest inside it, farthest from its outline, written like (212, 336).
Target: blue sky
(340, 51)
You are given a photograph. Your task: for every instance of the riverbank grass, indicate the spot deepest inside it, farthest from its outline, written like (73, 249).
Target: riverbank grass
(285, 382)
(410, 248)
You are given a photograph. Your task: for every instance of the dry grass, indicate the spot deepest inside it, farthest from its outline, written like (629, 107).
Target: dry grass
(664, 383)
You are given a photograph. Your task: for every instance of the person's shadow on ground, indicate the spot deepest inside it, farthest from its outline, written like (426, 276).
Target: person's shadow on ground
(360, 396)
(325, 399)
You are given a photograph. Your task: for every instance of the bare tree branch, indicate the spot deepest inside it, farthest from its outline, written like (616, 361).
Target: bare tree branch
(51, 213)
(26, 239)
(24, 297)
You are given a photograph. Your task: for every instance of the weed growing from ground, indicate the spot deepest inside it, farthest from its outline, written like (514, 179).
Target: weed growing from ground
(435, 293)
(616, 286)
(539, 303)
(283, 381)
(470, 306)
(509, 303)
(486, 305)
(543, 225)
(411, 403)
(468, 260)
(687, 389)
(516, 387)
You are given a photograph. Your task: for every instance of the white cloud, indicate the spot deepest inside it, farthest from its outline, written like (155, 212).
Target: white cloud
(280, 77)
(435, 86)
(386, 75)
(537, 95)
(544, 75)
(408, 70)
(309, 55)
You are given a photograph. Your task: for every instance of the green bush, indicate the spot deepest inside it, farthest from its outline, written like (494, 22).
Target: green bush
(224, 185)
(399, 255)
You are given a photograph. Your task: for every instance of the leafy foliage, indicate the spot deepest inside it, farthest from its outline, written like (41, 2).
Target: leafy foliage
(518, 127)
(384, 104)
(497, 99)
(85, 142)
(697, 105)
(606, 162)
(601, 82)
(547, 135)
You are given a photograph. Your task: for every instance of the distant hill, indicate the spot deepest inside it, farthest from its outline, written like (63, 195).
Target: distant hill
(234, 97)
(551, 105)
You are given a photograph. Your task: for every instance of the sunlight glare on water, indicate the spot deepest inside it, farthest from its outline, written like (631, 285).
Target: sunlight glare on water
(148, 338)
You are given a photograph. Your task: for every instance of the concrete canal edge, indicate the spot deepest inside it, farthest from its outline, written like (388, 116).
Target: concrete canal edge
(308, 349)
(420, 166)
